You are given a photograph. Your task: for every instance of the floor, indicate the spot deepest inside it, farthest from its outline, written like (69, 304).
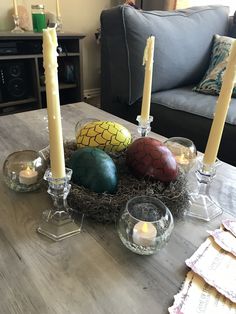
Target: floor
(95, 101)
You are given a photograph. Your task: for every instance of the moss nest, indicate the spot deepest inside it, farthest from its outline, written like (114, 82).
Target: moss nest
(105, 208)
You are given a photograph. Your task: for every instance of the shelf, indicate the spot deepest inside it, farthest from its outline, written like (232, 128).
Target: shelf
(61, 86)
(32, 56)
(69, 54)
(25, 55)
(17, 102)
(64, 54)
(29, 35)
(17, 57)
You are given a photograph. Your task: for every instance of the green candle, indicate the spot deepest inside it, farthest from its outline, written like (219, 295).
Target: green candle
(39, 22)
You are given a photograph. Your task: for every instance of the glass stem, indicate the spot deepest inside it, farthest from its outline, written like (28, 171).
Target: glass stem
(203, 187)
(60, 203)
(59, 193)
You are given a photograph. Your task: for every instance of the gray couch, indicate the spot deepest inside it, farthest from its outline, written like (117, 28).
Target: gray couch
(182, 52)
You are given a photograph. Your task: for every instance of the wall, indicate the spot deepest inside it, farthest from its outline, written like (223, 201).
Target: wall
(153, 4)
(78, 16)
(147, 4)
(230, 3)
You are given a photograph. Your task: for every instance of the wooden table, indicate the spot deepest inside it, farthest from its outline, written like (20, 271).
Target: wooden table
(93, 272)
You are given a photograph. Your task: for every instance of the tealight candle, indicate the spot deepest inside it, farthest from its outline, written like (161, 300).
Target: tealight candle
(28, 176)
(144, 233)
(182, 160)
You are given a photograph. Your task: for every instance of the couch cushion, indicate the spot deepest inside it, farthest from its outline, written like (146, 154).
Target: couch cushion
(182, 48)
(184, 99)
(212, 80)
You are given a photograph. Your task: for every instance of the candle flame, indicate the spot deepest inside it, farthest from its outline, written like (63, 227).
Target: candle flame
(181, 159)
(28, 170)
(145, 227)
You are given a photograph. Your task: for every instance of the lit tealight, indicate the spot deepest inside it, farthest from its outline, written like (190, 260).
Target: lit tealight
(28, 176)
(144, 233)
(182, 160)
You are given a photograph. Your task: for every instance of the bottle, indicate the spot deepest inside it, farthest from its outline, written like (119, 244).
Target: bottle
(38, 17)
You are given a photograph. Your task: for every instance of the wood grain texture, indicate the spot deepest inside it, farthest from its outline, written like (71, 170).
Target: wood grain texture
(92, 272)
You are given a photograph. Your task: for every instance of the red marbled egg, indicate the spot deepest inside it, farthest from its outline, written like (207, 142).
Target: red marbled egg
(147, 157)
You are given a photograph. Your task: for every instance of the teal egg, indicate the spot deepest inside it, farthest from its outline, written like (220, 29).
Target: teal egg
(94, 169)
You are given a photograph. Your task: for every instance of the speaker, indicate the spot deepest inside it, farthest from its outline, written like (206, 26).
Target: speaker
(13, 81)
(66, 72)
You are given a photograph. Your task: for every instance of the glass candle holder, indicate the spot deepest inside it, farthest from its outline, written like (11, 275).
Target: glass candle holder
(17, 28)
(57, 222)
(82, 122)
(145, 225)
(202, 206)
(59, 27)
(23, 171)
(144, 127)
(184, 150)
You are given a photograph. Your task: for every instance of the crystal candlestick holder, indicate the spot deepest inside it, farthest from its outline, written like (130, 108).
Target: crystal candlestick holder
(57, 223)
(17, 28)
(144, 126)
(201, 204)
(59, 28)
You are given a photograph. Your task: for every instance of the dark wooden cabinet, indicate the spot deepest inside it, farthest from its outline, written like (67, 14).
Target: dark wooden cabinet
(22, 84)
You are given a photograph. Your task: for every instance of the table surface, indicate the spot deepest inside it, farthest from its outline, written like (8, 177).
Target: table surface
(91, 272)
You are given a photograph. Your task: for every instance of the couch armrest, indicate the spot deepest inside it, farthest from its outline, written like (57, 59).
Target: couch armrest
(232, 26)
(114, 58)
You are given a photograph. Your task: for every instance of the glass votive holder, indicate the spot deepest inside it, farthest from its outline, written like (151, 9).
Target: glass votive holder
(145, 225)
(81, 123)
(184, 150)
(23, 171)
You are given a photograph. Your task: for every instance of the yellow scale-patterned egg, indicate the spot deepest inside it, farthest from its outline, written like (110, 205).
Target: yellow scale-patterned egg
(106, 135)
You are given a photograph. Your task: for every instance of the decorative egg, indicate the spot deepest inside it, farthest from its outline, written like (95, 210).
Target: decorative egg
(147, 157)
(106, 135)
(94, 169)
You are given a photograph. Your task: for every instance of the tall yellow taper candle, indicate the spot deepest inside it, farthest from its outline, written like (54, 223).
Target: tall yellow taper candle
(222, 106)
(15, 8)
(53, 103)
(147, 88)
(58, 8)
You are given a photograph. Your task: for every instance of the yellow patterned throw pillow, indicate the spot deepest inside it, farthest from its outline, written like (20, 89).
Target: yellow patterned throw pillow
(107, 135)
(212, 81)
